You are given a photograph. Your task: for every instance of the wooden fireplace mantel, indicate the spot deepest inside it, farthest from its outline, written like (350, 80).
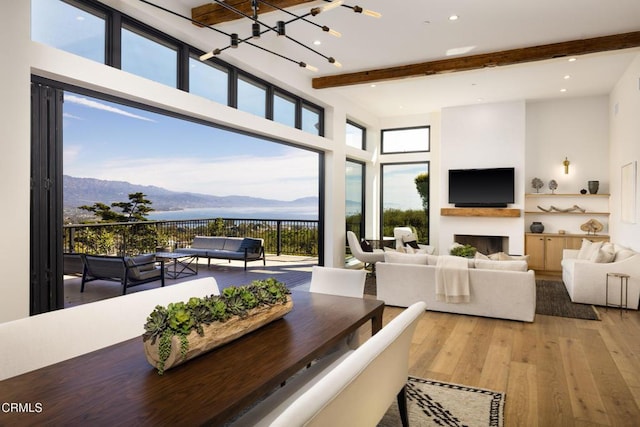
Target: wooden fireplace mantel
(487, 212)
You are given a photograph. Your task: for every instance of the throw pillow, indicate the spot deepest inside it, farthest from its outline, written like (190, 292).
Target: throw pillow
(400, 258)
(366, 246)
(410, 240)
(501, 265)
(412, 250)
(588, 248)
(605, 254)
(506, 257)
(481, 256)
(623, 254)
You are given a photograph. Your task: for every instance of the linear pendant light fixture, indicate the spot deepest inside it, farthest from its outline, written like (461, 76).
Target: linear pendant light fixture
(258, 28)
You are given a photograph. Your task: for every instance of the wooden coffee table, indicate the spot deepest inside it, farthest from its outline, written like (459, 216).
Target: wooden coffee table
(117, 386)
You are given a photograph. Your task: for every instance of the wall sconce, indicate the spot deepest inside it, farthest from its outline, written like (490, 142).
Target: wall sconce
(566, 165)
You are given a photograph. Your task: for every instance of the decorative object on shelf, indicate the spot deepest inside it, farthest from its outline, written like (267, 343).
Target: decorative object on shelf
(543, 209)
(593, 186)
(182, 331)
(592, 226)
(537, 184)
(583, 191)
(561, 231)
(553, 185)
(536, 227)
(565, 163)
(571, 209)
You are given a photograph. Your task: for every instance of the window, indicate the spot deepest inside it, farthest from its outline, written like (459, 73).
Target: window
(405, 198)
(354, 176)
(406, 140)
(208, 81)
(81, 31)
(284, 110)
(252, 97)
(149, 58)
(311, 120)
(92, 30)
(355, 136)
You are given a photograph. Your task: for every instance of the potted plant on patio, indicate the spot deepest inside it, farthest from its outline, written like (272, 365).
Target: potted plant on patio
(182, 331)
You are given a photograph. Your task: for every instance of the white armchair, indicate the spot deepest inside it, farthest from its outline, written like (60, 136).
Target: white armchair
(400, 232)
(356, 250)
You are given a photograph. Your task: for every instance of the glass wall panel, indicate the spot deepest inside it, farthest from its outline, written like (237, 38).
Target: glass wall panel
(405, 198)
(69, 28)
(311, 120)
(407, 140)
(284, 110)
(354, 176)
(355, 136)
(252, 97)
(208, 81)
(143, 56)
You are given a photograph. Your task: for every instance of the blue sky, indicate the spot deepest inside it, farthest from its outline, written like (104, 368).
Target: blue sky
(109, 141)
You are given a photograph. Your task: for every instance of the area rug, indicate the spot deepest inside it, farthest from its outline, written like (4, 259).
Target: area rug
(552, 299)
(434, 403)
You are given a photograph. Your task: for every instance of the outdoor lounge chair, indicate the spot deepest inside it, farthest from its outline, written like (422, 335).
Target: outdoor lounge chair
(129, 271)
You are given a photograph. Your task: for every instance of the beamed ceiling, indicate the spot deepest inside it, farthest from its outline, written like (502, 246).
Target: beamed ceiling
(419, 60)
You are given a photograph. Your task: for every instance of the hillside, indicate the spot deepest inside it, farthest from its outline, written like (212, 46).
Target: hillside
(87, 191)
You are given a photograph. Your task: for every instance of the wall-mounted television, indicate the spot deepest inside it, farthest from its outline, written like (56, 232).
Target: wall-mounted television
(492, 187)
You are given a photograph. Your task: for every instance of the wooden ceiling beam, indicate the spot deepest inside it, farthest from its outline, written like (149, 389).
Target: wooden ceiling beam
(214, 13)
(474, 62)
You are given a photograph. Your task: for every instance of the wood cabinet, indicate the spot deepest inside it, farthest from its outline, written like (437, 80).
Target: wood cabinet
(545, 249)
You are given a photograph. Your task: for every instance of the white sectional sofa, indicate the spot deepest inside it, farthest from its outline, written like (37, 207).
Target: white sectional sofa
(584, 273)
(495, 289)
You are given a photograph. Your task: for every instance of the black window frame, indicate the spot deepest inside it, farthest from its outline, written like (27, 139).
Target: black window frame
(364, 133)
(382, 132)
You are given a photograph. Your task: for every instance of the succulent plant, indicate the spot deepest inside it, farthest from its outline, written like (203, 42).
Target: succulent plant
(180, 318)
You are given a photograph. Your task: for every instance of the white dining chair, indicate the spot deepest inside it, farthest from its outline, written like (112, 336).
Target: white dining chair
(338, 281)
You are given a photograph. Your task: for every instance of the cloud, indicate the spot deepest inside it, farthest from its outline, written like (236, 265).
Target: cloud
(103, 107)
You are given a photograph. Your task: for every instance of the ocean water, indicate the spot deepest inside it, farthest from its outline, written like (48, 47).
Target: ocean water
(298, 212)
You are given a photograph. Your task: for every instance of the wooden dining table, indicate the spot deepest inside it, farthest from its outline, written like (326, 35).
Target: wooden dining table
(117, 386)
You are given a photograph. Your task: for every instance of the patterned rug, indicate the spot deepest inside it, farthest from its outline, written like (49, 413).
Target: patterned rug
(552, 299)
(434, 403)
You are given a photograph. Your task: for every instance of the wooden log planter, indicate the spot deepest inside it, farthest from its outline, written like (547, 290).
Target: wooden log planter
(184, 330)
(215, 335)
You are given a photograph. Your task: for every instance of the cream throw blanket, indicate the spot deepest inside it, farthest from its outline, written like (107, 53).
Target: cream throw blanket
(452, 279)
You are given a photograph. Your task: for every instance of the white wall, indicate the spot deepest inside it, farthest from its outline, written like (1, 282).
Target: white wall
(624, 110)
(483, 136)
(576, 128)
(15, 159)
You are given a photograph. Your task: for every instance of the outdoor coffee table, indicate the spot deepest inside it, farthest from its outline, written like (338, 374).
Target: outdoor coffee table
(178, 265)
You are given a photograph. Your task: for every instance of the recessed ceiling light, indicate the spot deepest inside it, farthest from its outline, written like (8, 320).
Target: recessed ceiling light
(563, 90)
(567, 77)
(480, 99)
(453, 18)
(373, 85)
(317, 42)
(571, 59)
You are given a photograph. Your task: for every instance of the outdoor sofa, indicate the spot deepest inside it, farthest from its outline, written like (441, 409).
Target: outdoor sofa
(231, 248)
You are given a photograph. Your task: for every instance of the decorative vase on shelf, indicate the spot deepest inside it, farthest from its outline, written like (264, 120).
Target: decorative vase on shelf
(593, 186)
(536, 227)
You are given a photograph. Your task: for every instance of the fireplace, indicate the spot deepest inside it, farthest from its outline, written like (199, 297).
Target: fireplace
(484, 244)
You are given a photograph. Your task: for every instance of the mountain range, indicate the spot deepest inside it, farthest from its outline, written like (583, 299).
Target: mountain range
(87, 191)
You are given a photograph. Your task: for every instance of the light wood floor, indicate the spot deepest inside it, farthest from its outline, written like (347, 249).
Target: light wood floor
(555, 371)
